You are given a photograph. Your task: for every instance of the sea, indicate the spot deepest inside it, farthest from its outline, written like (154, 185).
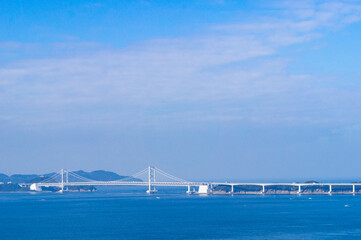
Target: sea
(172, 214)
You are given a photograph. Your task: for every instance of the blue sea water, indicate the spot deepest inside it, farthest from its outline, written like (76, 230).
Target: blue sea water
(120, 214)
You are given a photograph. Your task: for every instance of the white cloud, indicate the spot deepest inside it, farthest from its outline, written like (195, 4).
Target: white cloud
(300, 21)
(232, 74)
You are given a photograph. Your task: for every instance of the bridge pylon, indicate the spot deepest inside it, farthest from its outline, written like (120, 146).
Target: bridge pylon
(64, 180)
(151, 179)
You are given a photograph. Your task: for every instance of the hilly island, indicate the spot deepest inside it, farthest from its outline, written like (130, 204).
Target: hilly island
(21, 182)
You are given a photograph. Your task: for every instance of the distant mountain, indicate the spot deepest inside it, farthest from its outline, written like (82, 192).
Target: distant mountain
(4, 178)
(99, 175)
(17, 178)
(11, 187)
(20, 178)
(311, 181)
(37, 179)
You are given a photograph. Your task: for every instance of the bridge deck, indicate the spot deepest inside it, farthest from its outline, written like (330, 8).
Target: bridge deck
(185, 184)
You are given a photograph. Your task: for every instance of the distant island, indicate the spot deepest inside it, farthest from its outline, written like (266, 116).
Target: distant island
(21, 182)
(315, 188)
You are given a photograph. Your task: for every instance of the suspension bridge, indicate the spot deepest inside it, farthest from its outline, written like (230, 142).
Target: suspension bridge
(153, 177)
(150, 177)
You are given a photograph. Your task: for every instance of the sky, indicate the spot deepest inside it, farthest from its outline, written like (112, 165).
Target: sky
(246, 90)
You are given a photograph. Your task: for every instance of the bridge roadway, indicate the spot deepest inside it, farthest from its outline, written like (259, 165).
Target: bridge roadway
(125, 183)
(185, 184)
(205, 189)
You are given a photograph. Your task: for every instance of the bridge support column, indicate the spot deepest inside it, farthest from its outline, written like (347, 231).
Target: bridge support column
(232, 188)
(35, 187)
(330, 189)
(189, 190)
(299, 189)
(263, 189)
(67, 180)
(62, 180)
(203, 189)
(353, 189)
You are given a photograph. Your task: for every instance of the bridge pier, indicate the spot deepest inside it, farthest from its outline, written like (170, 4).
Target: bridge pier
(299, 189)
(353, 189)
(263, 188)
(150, 190)
(203, 189)
(189, 190)
(67, 180)
(330, 189)
(232, 188)
(62, 180)
(35, 187)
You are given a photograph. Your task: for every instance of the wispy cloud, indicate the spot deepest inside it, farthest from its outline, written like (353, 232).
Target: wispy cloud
(233, 73)
(299, 21)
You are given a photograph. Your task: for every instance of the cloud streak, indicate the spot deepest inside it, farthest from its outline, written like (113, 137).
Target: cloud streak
(233, 73)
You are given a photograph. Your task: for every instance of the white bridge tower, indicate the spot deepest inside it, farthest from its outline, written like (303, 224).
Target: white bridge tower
(151, 179)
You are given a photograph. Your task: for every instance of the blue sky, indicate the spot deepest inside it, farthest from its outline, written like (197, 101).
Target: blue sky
(202, 89)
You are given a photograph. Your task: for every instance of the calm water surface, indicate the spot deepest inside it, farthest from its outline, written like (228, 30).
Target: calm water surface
(174, 215)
